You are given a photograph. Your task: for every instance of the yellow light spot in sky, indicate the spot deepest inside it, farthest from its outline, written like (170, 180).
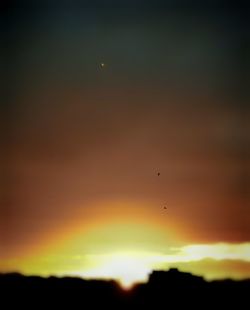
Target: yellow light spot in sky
(126, 268)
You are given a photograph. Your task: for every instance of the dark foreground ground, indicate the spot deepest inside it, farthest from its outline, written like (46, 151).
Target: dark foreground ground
(164, 290)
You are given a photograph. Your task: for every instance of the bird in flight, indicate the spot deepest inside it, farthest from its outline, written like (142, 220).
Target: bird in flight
(165, 208)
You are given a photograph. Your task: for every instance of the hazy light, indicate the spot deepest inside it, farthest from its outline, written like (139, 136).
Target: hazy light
(126, 268)
(218, 251)
(131, 267)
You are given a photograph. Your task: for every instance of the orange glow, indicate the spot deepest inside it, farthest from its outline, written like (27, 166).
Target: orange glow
(125, 141)
(126, 243)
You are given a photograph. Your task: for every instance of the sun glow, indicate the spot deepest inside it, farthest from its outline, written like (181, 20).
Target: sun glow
(111, 246)
(129, 268)
(126, 268)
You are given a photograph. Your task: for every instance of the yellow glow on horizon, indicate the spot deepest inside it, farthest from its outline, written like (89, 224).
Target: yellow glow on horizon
(126, 268)
(125, 242)
(129, 267)
(132, 267)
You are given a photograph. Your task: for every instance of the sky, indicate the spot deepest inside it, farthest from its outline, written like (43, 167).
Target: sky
(83, 142)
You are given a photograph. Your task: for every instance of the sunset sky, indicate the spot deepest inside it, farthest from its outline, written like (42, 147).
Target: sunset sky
(84, 142)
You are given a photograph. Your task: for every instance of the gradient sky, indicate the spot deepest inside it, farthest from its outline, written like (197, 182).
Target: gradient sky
(83, 144)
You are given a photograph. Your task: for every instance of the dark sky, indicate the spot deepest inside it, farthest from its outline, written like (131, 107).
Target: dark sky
(172, 97)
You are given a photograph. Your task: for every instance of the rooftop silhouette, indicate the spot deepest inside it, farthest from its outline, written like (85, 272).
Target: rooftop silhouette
(164, 288)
